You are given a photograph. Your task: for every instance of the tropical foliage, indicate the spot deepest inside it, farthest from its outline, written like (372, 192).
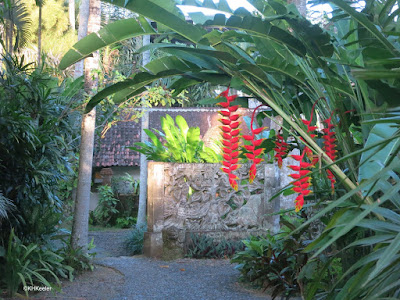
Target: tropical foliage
(204, 246)
(36, 134)
(182, 143)
(107, 208)
(15, 24)
(31, 265)
(348, 70)
(134, 240)
(36, 137)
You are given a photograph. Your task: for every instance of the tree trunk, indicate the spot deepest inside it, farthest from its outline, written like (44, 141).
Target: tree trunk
(106, 51)
(71, 13)
(40, 33)
(141, 217)
(82, 32)
(92, 63)
(80, 226)
(301, 6)
(10, 36)
(81, 214)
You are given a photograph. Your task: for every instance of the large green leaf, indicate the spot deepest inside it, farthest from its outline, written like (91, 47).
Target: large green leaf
(258, 27)
(163, 12)
(369, 74)
(182, 83)
(318, 42)
(365, 22)
(387, 258)
(282, 67)
(129, 87)
(183, 126)
(175, 141)
(154, 138)
(108, 35)
(168, 63)
(374, 160)
(193, 141)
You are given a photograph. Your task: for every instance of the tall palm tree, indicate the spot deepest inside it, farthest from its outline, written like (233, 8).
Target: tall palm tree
(71, 13)
(15, 24)
(81, 214)
(39, 3)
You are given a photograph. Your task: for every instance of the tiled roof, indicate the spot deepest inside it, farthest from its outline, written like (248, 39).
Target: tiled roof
(111, 150)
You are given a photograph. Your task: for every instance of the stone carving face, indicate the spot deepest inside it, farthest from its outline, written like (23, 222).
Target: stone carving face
(198, 197)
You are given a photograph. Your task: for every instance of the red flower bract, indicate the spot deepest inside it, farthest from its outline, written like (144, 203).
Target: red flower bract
(302, 182)
(230, 132)
(253, 152)
(329, 148)
(281, 149)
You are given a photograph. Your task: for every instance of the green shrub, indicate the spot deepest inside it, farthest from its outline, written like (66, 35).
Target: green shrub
(125, 222)
(76, 258)
(134, 241)
(275, 261)
(182, 144)
(106, 209)
(203, 246)
(126, 190)
(126, 182)
(36, 135)
(30, 265)
(5, 207)
(279, 262)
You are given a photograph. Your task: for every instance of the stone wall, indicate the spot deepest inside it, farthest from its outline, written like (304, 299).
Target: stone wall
(185, 198)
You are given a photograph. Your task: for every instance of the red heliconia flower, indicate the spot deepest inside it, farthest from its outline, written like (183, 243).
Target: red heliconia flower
(299, 202)
(230, 134)
(302, 182)
(281, 148)
(329, 148)
(253, 152)
(310, 131)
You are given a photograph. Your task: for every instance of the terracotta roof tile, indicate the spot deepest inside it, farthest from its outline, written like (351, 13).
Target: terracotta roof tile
(111, 151)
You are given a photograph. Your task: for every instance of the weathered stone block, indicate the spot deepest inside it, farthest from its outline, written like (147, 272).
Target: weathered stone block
(153, 244)
(186, 198)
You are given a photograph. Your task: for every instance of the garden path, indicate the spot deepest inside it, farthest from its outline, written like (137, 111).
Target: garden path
(119, 277)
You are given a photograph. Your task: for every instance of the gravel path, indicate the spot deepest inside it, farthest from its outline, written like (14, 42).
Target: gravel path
(123, 278)
(109, 243)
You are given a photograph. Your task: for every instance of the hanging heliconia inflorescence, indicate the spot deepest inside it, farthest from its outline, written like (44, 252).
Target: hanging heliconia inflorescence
(311, 131)
(302, 179)
(254, 154)
(230, 137)
(281, 148)
(329, 148)
(301, 182)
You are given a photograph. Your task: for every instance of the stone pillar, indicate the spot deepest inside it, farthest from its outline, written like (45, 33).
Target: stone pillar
(271, 187)
(141, 217)
(153, 241)
(106, 175)
(287, 202)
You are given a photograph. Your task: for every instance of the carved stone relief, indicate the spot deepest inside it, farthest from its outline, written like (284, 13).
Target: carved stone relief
(187, 198)
(199, 197)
